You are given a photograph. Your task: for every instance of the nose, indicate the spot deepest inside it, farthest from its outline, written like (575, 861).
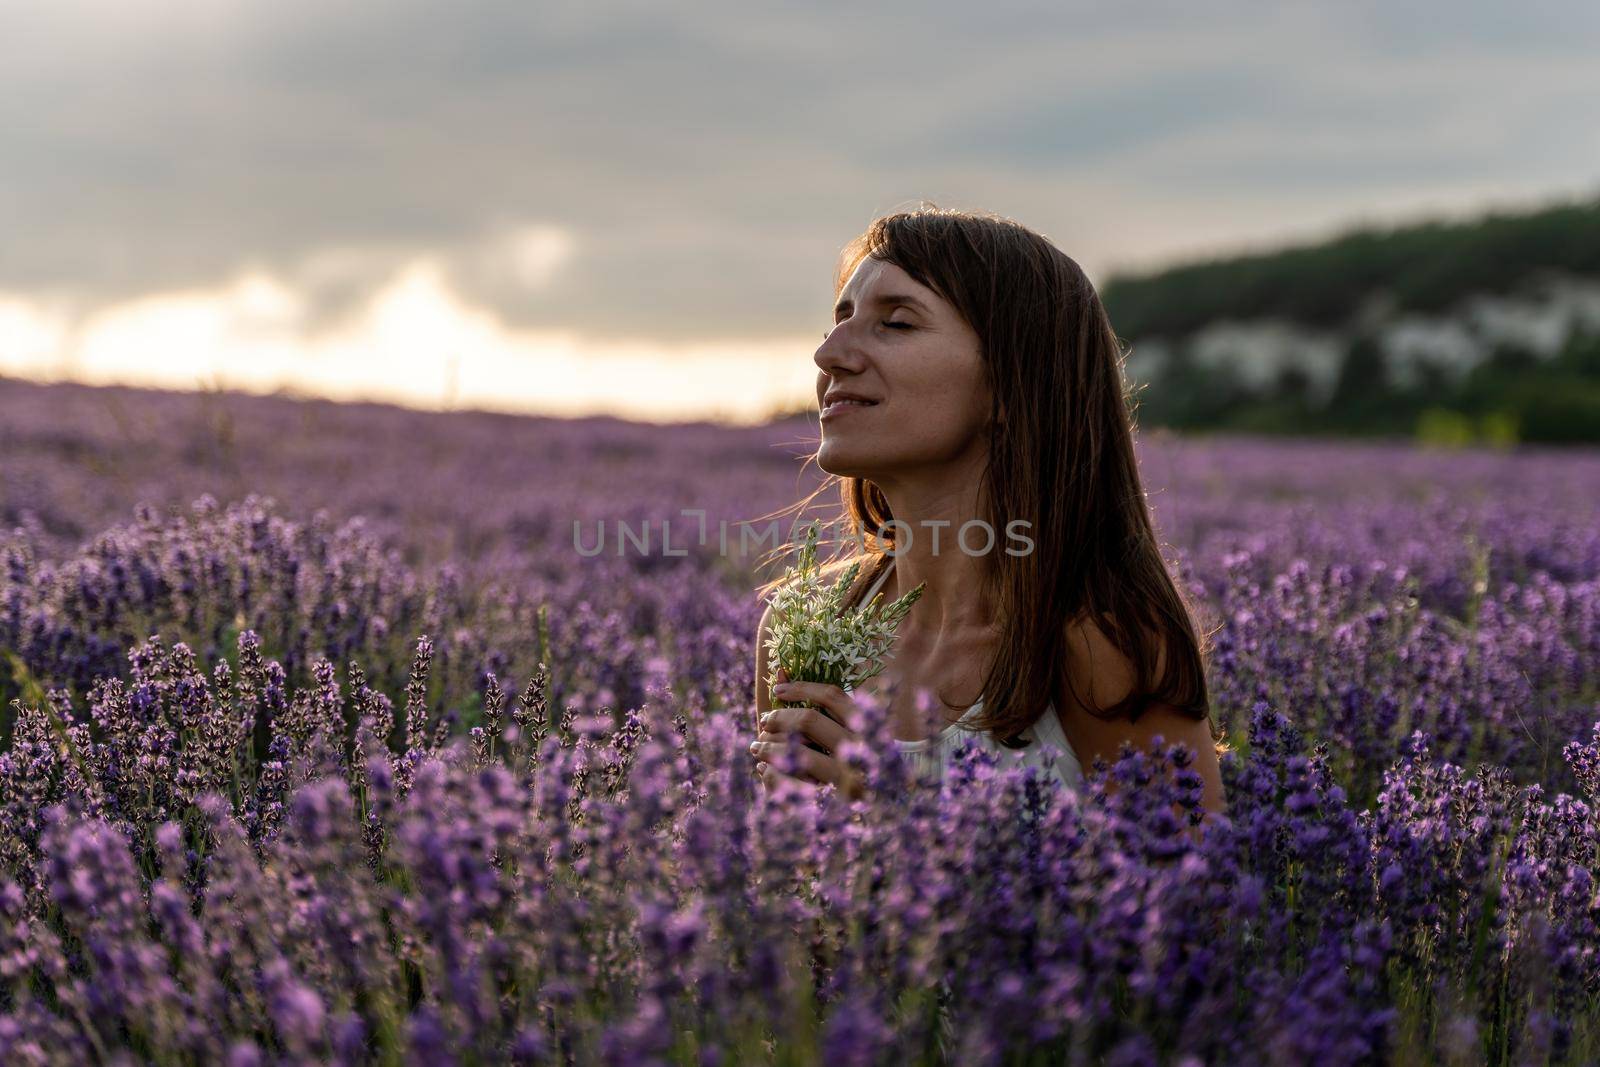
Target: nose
(838, 351)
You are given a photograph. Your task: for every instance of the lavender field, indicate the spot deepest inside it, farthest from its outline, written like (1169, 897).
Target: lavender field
(322, 742)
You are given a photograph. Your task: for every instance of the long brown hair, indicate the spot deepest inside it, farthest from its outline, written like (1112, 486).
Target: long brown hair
(1061, 457)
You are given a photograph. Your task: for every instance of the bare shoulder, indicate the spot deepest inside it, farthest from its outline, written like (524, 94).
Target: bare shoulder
(1099, 670)
(1103, 675)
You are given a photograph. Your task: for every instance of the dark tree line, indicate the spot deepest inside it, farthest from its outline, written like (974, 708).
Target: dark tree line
(1337, 285)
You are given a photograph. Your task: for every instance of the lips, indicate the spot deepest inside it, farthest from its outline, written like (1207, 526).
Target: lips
(844, 402)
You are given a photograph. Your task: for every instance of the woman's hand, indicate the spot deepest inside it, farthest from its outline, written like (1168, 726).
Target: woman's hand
(822, 733)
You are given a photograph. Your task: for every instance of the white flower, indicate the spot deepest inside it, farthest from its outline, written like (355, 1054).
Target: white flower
(814, 639)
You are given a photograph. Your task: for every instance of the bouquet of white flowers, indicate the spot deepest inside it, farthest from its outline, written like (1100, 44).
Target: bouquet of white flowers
(812, 640)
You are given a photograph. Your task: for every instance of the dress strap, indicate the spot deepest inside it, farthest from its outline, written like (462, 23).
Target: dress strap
(877, 584)
(1048, 726)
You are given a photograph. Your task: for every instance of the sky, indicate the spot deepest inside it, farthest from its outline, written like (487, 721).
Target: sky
(636, 208)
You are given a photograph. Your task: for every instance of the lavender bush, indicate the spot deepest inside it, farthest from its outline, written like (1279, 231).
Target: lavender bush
(578, 891)
(263, 798)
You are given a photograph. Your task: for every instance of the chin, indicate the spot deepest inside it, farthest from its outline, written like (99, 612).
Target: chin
(843, 461)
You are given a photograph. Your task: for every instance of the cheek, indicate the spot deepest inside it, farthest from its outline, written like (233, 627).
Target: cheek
(969, 399)
(945, 415)
(952, 380)
(943, 391)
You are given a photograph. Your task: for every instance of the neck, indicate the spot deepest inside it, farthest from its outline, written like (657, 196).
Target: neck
(929, 552)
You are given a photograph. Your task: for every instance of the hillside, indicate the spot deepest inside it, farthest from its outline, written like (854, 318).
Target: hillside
(1485, 329)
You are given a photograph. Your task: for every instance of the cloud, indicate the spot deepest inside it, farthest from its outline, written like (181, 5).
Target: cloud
(415, 341)
(634, 173)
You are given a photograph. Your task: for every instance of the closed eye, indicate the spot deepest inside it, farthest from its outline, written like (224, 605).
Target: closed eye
(891, 325)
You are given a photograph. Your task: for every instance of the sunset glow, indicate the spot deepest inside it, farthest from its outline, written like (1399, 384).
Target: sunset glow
(416, 343)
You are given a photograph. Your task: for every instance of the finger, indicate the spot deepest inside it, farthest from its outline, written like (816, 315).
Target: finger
(810, 723)
(778, 679)
(806, 760)
(812, 767)
(824, 769)
(832, 699)
(779, 736)
(770, 777)
(767, 735)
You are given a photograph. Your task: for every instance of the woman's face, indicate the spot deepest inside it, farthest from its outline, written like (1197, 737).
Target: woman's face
(899, 344)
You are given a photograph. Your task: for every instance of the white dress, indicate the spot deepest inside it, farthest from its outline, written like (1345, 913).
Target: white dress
(930, 756)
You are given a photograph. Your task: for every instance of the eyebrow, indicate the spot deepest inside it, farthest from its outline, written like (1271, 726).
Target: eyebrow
(891, 298)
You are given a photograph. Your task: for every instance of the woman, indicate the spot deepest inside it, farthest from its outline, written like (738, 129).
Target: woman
(972, 379)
